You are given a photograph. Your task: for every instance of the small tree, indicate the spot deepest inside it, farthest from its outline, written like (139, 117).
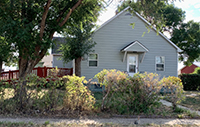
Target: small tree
(78, 43)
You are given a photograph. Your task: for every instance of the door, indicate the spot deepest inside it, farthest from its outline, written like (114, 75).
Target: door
(132, 64)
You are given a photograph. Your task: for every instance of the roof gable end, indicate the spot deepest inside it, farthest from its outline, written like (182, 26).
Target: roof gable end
(138, 45)
(145, 21)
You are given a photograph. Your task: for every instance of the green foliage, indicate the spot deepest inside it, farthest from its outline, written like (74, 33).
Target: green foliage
(187, 37)
(128, 95)
(7, 56)
(191, 82)
(173, 89)
(77, 97)
(78, 41)
(197, 70)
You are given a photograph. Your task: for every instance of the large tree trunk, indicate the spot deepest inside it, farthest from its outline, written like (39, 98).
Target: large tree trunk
(78, 67)
(26, 64)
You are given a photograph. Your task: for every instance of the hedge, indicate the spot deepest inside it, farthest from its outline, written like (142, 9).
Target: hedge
(191, 82)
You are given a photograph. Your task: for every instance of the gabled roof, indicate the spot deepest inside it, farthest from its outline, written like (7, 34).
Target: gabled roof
(144, 20)
(135, 46)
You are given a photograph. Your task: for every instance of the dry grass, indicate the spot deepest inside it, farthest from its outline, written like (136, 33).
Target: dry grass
(192, 100)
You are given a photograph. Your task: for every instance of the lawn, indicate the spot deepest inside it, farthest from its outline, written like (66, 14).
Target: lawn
(192, 100)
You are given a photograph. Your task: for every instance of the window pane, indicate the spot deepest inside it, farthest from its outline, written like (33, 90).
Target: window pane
(132, 60)
(132, 68)
(160, 59)
(93, 56)
(93, 63)
(159, 67)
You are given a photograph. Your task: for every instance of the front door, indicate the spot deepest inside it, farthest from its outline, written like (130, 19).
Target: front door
(132, 64)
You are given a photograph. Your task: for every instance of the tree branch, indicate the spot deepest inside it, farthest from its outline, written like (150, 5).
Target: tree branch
(44, 16)
(70, 12)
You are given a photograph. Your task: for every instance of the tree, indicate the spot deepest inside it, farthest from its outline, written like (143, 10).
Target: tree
(187, 37)
(78, 43)
(31, 24)
(160, 14)
(5, 51)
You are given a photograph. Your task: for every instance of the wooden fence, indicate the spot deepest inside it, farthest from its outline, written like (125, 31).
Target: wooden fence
(39, 71)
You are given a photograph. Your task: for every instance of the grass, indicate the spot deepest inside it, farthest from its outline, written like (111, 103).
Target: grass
(192, 102)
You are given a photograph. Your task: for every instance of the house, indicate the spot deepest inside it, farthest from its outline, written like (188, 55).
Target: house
(53, 59)
(122, 47)
(190, 69)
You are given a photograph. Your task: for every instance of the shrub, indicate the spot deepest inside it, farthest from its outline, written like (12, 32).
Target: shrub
(197, 70)
(191, 82)
(126, 94)
(173, 89)
(77, 96)
(29, 96)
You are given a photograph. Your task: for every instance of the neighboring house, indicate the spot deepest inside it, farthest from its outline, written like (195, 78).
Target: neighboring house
(121, 47)
(53, 60)
(190, 69)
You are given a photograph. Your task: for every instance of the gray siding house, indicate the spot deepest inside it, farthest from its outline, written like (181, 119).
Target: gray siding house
(121, 47)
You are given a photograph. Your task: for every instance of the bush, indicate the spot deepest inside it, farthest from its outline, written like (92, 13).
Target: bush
(42, 96)
(29, 96)
(191, 82)
(128, 95)
(197, 70)
(173, 89)
(77, 96)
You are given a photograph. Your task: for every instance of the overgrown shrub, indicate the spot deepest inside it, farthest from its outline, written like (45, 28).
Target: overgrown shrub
(77, 95)
(44, 96)
(128, 95)
(31, 97)
(191, 82)
(173, 89)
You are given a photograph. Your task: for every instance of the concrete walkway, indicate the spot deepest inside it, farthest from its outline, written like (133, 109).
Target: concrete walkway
(170, 104)
(123, 121)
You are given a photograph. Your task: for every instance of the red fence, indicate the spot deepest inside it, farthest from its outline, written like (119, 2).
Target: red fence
(39, 71)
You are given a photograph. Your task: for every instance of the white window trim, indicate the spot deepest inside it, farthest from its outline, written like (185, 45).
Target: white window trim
(156, 64)
(97, 61)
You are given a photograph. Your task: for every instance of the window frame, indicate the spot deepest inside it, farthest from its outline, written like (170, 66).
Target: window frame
(159, 63)
(93, 60)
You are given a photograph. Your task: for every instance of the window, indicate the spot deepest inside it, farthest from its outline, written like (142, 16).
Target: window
(160, 63)
(93, 60)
